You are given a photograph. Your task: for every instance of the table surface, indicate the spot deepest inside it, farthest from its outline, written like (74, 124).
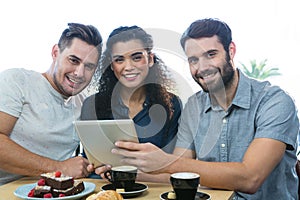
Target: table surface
(154, 189)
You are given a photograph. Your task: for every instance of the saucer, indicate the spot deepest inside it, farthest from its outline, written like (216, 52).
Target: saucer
(199, 196)
(137, 190)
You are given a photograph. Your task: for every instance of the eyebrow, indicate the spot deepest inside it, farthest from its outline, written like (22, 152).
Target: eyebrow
(206, 53)
(137, 53)
(133, 54)
(211, 51)
(85, 64)
(73, 56)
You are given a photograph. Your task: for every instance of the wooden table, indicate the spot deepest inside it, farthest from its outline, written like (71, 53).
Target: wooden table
(153, 192)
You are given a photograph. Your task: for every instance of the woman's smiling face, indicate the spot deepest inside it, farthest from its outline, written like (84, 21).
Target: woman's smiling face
(130, 63)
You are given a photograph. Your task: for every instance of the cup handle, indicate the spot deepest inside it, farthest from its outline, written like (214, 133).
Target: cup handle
(107, 175)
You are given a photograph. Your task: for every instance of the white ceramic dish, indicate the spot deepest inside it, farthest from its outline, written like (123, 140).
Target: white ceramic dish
(23, 191)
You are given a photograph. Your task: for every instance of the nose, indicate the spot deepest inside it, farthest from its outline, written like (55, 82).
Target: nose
(128, 65)
(79, 71)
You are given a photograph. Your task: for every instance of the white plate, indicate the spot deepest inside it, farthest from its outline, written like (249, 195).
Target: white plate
(23, 191)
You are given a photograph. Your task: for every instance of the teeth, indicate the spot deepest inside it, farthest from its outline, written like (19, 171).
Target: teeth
(74, 81)
(208, 75)
(130, 75)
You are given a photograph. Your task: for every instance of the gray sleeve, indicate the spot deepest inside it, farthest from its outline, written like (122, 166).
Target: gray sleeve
(88, 111)
(188, 124)
(277, 118)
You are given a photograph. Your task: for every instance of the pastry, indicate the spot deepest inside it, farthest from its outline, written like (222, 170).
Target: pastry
(106, 195)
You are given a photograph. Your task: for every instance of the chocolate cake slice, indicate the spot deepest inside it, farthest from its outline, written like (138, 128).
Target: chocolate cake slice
(55, 184)
(39, 191)
(75, 189)
(59, 182)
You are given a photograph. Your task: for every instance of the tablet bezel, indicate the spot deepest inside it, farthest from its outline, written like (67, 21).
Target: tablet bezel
(98, 138)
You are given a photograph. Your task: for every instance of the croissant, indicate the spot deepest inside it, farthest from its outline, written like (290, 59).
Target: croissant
(106, 195)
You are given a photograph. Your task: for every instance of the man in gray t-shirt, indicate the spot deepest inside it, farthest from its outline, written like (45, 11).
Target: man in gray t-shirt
(37, 110)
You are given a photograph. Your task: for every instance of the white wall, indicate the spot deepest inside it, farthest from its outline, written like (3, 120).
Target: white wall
(261, 29)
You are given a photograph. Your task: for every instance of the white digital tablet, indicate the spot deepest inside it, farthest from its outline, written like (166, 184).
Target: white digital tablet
(98, 138)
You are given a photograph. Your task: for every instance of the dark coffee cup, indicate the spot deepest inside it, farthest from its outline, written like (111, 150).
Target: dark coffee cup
(185, 185)
(122, 177)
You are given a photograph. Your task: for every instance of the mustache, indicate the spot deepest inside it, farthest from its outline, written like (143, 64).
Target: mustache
(207, 72)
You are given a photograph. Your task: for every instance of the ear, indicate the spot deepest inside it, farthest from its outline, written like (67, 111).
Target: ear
(232, 50)
(151, 59)
(55, 51)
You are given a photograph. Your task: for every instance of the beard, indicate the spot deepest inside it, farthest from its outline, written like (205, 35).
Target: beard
(223, 81)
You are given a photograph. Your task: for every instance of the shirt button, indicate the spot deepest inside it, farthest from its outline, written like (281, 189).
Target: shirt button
(223, 145)
(224, 120)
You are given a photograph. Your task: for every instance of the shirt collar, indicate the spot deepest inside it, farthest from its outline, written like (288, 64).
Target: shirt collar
(242, 97)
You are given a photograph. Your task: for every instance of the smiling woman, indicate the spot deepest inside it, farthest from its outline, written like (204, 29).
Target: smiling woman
(134, 84)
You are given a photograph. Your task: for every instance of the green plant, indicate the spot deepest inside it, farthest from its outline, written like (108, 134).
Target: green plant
(259, 70)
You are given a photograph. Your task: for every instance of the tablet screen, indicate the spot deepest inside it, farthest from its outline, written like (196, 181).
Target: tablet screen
(98, 138)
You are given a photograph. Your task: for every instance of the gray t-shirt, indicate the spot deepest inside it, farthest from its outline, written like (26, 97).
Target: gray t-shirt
(258, 110)
(44, 124)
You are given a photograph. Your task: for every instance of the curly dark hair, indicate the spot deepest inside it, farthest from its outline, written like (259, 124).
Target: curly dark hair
(156, 85)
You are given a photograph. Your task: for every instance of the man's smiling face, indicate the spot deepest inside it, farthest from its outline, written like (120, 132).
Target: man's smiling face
(209, 63)
(74, 67)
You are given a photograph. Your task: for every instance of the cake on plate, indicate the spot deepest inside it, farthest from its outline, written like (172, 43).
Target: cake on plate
(56, 184)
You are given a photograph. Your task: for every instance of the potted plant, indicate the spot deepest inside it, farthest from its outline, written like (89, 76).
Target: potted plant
(259, 70)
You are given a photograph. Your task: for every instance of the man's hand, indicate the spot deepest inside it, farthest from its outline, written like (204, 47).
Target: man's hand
(102, 169)
(77, 167)
(147, 157)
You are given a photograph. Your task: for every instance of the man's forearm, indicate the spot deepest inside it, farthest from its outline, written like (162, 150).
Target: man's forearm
(15, 159)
